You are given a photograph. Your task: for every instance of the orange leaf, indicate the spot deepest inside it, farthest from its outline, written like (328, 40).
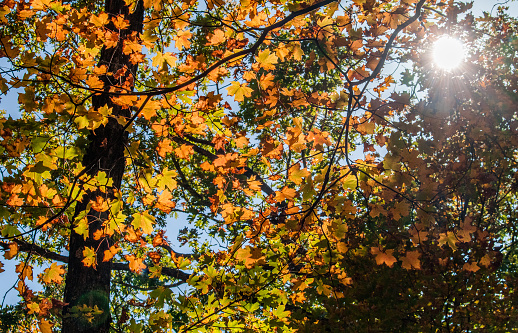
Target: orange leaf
(100, 204)
(471, 267)
(94, 82)
(285, 194)
(217, 37)
(45, 326)
(120, 23)
(13, 250)
(411, 260)
(112, 251)
(383, 257)
(165, 202)
(164, 147)
(184, 151)
(182, 39)
(25, 271)
(136, 265)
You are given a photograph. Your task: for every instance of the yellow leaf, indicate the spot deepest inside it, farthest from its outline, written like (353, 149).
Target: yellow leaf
(164, 58)
(266, 59)
(296, 174)
(53, 274)
(143, 221)
(99, 20)
(239, 91)
(33, 307)
(90, 259)
(82, 227)
(448, 238)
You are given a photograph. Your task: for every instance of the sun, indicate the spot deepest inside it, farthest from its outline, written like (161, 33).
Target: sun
(448, 52)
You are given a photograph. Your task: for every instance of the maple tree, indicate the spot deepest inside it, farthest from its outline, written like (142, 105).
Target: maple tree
(269, 127)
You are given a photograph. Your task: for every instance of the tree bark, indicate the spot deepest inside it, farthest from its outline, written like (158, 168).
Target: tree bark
(90, 286)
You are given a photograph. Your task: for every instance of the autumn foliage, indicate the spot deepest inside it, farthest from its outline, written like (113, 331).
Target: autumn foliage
(316, 190)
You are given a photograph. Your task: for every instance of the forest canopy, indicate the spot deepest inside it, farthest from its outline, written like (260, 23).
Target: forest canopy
(330, 169)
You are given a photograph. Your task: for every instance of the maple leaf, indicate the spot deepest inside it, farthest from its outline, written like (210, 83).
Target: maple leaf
(33, 307)
(160, 59)
(285, 193)
(448, 238)
(266, 81)
(165, 202)
(471, 267)
(164, 147)
(53, 274)
(100, 204)
(167, 179)
(110, 253)
(296, 174)
(99, 20)
(466, 229)
(250, 256)
(182, 39)
(25, 271)
(266, 59)
(184, 151)
(89, 257)
(217, 37)
(45, 326)
(120, 23)
(93, 82)
(136, 265)
(254, 184)
(383, 257)
(13, 250)
(143, 221)
(411, 260)
(82, 227)
(239, 91)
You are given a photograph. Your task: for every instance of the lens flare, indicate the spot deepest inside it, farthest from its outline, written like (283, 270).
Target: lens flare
(448, 52)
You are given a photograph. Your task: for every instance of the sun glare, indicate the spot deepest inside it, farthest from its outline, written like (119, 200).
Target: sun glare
(448, 52)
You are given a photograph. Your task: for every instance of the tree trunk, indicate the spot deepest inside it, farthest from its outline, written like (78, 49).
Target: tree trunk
(90, 286)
